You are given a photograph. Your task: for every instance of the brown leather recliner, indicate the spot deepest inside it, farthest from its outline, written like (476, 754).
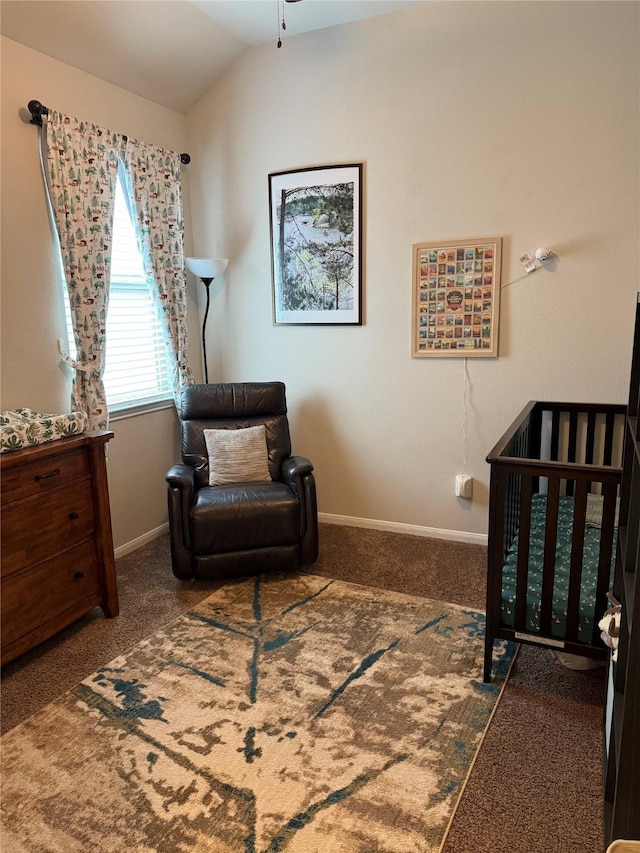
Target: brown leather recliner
(249, 527)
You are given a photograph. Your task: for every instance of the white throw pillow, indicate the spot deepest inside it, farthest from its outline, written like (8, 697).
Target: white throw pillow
(237, 455)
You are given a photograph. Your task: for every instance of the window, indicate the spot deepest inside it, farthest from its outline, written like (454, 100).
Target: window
(137, 367)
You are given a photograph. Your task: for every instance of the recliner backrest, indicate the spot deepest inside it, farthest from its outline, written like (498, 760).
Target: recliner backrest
(233, 405)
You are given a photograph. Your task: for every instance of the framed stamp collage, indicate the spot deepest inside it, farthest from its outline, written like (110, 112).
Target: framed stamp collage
(456, 298)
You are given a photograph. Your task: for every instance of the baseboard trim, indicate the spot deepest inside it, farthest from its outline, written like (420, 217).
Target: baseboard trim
(346, 521)
(141, 540)
(410, 529)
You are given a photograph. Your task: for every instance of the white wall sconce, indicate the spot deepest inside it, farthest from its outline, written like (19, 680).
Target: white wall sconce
(206, 269)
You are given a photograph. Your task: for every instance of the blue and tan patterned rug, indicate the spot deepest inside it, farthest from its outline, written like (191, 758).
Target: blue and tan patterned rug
(284, 713)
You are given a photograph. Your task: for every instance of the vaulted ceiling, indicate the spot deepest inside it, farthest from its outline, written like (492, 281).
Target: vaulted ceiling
(169, 51)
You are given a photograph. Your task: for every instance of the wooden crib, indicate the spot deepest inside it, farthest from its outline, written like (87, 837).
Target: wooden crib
(555, 480)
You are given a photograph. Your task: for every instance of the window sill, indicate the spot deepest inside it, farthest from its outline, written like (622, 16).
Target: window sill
(132, 411)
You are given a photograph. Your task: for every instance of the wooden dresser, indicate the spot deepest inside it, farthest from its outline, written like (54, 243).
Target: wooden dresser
(57, 548)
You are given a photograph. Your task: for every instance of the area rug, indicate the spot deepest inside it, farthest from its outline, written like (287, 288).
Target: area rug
(284, 713)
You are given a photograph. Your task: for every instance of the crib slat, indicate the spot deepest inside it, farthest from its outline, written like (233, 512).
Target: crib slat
(573, 436)
(591, 437)
(524, 535)
(555, 435)
(548, 570)
(610, 491)
(571, 449)
(591, 441)
(577, 554)
(495, 559)
(608, 438)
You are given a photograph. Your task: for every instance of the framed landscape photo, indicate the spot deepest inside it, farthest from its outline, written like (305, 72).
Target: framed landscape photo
(456, 298)
(316, 245)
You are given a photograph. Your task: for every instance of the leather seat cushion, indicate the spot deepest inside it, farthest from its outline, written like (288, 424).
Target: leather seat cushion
(244, 516)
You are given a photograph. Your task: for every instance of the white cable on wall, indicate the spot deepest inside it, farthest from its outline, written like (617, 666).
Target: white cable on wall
(464, 417)
(519, 278)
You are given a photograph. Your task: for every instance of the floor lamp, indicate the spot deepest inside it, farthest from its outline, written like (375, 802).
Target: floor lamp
(206, 269)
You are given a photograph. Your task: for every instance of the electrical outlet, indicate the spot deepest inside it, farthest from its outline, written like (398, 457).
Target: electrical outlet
(464, 486)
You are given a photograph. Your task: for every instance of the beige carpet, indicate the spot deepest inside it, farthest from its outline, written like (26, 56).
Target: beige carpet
(536, 785)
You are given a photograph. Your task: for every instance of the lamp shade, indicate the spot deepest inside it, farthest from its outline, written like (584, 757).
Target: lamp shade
(207, 267)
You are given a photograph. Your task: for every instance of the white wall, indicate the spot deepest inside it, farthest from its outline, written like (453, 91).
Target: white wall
(472, 119)
(32, 309)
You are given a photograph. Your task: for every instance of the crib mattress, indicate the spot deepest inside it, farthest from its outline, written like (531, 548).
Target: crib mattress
(587, 615)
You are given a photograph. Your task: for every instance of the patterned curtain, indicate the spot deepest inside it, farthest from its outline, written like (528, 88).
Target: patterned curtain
(82, 164)
(155, 197)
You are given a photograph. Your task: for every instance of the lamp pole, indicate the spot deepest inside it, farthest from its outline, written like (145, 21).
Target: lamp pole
(207, 283)
(206, 269)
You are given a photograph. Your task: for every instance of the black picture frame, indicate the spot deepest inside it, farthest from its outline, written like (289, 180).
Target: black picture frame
(315, 217)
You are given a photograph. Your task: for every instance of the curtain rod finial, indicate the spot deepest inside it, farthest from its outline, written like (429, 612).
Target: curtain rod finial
(37, 111)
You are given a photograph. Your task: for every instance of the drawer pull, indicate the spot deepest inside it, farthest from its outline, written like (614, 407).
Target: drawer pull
(78, 575)
(73, 516)
(53, 473)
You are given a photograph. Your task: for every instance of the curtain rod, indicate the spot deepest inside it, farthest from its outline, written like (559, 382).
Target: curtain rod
(37, 110)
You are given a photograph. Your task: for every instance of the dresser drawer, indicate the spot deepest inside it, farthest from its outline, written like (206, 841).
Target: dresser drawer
(38, 528)
(64, 582)
(36, 478)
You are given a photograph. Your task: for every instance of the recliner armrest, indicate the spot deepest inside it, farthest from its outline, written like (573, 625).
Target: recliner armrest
(181, 480)
(293, 468)
(182, 477)
(297, 473)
